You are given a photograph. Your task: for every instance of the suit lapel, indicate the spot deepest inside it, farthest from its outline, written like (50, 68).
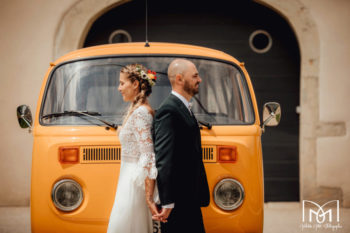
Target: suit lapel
(182, 109)
(190, 120)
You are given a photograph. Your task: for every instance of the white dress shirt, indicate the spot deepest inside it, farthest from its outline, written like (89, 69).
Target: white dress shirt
(183, 99)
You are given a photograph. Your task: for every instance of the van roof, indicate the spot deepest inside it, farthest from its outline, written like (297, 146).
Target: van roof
(139, 48)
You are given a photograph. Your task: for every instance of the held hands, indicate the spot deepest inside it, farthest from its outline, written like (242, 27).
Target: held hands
(152, 207)
(163, 215)
(158, 215)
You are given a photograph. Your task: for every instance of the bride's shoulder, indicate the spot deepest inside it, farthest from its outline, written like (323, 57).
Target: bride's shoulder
(145, 110)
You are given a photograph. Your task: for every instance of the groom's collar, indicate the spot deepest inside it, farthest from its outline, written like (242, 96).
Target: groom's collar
(183, 99)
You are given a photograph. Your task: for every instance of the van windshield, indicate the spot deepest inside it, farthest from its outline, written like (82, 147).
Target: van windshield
(92, 86)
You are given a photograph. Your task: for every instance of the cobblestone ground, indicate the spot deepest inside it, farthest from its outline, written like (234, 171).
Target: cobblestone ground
(279, 218)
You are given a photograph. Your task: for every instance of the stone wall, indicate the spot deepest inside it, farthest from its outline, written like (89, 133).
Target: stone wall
(37, 32)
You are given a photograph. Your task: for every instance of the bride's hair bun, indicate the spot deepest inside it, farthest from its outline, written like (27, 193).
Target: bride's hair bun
(135, 72)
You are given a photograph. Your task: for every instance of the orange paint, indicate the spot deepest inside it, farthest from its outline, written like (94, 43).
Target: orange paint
(98, 180)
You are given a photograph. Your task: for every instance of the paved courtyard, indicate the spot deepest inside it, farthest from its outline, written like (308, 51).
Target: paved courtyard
(280, 217)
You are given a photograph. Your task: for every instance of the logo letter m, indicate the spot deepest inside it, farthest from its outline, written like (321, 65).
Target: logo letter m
(320, 214)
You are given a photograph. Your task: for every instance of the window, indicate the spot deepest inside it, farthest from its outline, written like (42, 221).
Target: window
(260, 41)
(92, 85)
(119, 36)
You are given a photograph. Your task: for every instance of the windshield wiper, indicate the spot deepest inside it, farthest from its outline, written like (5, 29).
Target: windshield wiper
(73, 113)
(82, 113)
(206, 124)
(202, 107)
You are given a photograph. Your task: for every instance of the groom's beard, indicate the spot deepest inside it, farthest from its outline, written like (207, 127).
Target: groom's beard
(191, 90)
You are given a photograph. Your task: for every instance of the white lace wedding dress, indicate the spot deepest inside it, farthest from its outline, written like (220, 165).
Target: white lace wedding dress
(130, 213)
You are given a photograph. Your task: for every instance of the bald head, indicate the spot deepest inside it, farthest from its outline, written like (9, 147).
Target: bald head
(184, 77)
(178, 66)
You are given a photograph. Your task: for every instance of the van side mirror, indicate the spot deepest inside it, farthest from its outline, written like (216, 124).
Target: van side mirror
(271, 114)
(24, 116)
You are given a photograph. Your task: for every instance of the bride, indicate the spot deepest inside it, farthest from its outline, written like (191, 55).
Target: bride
(133, 205)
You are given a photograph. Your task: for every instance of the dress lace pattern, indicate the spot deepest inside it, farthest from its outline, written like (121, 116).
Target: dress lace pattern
(137, 145)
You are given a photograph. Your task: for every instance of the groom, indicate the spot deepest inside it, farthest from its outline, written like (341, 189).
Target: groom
(182, 181)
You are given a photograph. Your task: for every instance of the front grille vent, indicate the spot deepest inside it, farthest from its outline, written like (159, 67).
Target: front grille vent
(112, 154)
(209, 154)
(100, 154)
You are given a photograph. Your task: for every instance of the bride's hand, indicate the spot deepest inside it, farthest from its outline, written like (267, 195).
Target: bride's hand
(163, 215)
(152, 207)
(149, 188)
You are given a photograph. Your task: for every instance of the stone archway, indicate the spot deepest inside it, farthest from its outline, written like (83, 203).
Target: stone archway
(77, 21)
(300, 19)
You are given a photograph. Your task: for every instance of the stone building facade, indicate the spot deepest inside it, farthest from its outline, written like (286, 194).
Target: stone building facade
(34, 33)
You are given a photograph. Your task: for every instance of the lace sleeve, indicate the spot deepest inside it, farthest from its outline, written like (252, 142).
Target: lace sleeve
(142, 131)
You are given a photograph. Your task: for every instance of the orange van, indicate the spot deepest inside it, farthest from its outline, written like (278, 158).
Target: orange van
(76, 151)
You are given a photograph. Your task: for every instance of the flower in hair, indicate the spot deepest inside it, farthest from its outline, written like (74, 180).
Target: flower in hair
(143, 74)
(150, 76)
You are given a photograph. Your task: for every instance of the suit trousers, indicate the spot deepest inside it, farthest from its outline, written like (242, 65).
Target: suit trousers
(184, 220)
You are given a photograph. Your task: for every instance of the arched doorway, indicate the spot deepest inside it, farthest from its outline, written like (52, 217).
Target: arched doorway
(250, 32)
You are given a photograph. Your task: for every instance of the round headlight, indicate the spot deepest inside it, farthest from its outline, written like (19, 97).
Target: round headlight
(228, 194)
(67, 195)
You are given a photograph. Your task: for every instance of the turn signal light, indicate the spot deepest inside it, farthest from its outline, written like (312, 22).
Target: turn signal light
(68, 155)
(227, 154)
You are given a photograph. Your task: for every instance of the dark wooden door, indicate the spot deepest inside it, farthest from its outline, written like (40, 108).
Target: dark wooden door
(227, 27)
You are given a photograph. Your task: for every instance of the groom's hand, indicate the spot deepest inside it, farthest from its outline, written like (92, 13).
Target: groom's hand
(163, 215)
